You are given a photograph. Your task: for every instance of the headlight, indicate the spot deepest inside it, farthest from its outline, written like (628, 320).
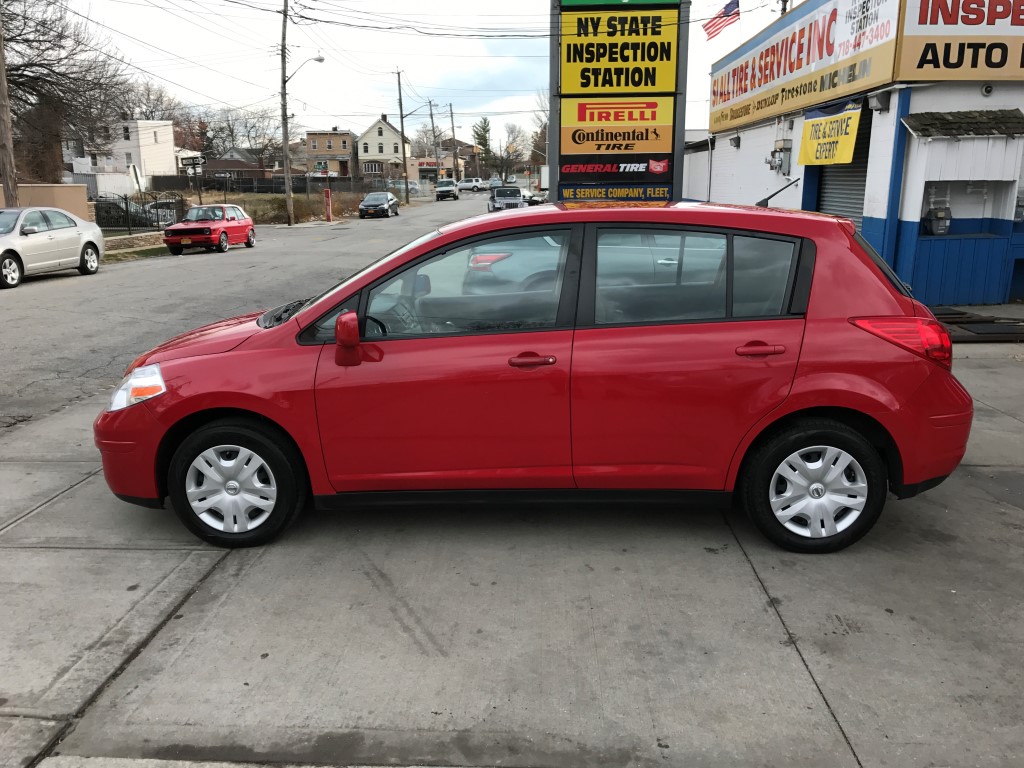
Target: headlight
(141, 384)
(206, 231)
(168, 233)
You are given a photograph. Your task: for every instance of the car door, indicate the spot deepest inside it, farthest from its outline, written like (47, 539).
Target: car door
(38, 249)
(66, 237)
(454, 390)
(667, 377)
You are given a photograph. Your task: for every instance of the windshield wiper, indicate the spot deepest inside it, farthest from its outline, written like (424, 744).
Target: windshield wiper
(280, 314)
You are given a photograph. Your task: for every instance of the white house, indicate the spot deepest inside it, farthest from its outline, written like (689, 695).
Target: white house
(148, 145)
(379, 149)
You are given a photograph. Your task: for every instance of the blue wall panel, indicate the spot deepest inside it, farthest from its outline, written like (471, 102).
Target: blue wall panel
(874, 232)
(958, 269)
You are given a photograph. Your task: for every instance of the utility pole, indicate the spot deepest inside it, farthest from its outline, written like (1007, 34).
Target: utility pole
(433, 136)
(455, 146)
(288, 202)
(8, 174)
(401, 138)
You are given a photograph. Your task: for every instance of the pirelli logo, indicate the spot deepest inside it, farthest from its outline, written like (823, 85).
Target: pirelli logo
(606, 111)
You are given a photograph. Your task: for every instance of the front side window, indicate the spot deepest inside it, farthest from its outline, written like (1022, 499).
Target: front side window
(506, 284)
(35, 219)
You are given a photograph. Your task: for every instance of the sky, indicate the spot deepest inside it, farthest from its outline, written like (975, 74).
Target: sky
(485, 58)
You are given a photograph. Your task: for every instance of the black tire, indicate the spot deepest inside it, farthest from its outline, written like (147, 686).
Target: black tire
(222, 243)
(760, 473)
(175, 251)
(11, 270)
(396, 210)
(476, 189)
(387, 213)
(362, 215)
(284, 463)
(89, 260)
(250, 239)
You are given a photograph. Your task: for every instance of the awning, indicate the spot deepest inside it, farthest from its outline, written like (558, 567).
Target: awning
(974, 123)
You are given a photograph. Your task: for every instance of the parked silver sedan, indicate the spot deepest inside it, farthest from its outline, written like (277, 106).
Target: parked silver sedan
(36, 240)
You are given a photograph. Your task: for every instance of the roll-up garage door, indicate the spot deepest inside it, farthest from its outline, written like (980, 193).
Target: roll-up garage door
(841, 190)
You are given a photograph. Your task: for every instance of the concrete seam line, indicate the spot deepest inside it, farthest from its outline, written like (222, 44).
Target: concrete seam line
(999, 410)
(793, 641)
(55, 742)
(97, 548)
(42, 504)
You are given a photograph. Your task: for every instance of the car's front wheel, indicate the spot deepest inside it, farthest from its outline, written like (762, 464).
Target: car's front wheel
(89, 261)
(817, 486)
(175, 251)
(10, 271)
(222, 242)
(234, 483)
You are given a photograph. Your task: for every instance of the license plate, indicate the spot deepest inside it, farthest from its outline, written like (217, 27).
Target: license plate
(186, 241)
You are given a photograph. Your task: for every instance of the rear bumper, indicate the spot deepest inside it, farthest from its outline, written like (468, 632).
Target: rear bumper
(128, 441)
(938, 438)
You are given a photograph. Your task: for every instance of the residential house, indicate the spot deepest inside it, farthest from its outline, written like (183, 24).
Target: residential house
(329, 153)
(379, 149)
(146, 144)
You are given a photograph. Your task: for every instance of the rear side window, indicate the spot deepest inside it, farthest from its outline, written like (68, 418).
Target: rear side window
(661, 275)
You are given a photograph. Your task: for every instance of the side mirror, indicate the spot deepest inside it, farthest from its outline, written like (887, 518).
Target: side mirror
(346, 338)
(29, 230)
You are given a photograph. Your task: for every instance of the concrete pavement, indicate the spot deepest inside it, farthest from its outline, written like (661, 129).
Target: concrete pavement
(545, 635)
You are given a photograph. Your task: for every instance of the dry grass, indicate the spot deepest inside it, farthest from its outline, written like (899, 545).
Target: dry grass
(270, 209)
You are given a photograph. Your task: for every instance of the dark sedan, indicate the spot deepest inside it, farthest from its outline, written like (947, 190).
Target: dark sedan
(378, 204)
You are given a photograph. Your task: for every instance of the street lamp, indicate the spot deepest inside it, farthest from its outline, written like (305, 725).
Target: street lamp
(289, 202)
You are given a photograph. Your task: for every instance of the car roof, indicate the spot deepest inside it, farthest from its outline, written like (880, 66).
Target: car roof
(778, 220)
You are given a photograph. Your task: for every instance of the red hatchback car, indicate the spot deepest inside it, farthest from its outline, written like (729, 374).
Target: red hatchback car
(213, 227)
(708, 350)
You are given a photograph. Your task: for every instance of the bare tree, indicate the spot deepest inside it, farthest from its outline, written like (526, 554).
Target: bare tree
(510, 151)
(63, 82)
(423, 140)
(539, 143)
(150, 101)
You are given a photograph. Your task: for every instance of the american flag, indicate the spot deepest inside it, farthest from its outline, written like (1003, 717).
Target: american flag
(722, 19)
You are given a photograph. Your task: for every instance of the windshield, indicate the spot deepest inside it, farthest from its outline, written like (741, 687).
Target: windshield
(446, 183)
(204, 213)
(278, 315)
(7, 221)
(376, 197)
(506, 193)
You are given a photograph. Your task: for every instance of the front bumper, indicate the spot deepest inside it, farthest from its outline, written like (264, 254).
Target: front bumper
(194, 241)
(128, 441)
(373, 212)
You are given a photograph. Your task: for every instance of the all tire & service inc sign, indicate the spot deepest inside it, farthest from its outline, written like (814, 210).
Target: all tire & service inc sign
(620, 72)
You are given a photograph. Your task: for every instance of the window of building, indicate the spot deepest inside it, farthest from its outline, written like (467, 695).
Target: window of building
(126, 133)
(344, 143)
(94, 160)
(312, 143)
(127, 158)
(366, 148)
(330, 143)
(380, 131)
(373, 167)
(156, 137)
(396, 147)
(106, 133)
(380, 149)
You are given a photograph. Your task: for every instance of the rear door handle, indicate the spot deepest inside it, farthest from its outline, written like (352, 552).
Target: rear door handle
(531, 360)
(758, 350)
(668, 262)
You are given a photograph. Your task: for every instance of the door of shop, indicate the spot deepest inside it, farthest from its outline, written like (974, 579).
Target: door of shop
(841, 190)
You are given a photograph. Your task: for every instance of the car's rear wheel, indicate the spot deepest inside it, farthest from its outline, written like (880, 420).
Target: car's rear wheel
(234, 483)
(818, 486)
(250, 239)
(10, 271)
(222, 242)
(89, 261)
(476, 189)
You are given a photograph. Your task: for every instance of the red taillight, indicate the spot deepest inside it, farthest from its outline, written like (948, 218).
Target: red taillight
(481, 262)
(921, 335)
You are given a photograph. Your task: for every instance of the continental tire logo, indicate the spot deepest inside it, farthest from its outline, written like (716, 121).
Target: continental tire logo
(580, 136)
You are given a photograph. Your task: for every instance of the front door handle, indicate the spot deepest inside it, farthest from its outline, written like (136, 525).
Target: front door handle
(531, 360)
(668, 262)
(758, 349)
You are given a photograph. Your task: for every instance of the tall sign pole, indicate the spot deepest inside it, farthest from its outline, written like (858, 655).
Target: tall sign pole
(554, 107)
(620, 95)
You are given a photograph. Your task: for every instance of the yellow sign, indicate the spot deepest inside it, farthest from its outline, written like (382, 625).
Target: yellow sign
(830, 139)
(606, 52)
(975, 40)
(826, 50)
(641, 124)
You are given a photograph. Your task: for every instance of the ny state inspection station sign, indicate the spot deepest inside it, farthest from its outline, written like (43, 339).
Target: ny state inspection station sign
(618, 76)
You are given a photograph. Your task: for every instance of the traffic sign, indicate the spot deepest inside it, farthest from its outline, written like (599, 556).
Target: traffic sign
(197, 160)
(222, 175)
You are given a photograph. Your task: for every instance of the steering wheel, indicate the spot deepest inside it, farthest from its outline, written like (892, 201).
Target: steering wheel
(380, 325)
(403, 313)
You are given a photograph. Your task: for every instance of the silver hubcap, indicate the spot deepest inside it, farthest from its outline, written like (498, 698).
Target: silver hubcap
(92, 260)
(818, 491)
(231, 489)
(252, 237)
(10, 270)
